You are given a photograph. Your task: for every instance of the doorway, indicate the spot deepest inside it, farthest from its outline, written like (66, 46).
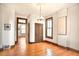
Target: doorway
(38, 32)
(21, 30)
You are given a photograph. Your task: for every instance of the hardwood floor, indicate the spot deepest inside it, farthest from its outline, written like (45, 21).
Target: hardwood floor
(37, 49)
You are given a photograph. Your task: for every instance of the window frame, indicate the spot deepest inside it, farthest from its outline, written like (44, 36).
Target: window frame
(46, 27)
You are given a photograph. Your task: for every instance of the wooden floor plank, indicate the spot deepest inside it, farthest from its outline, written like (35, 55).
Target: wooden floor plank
(37, 49)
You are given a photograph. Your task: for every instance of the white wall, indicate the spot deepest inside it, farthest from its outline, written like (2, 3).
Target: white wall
(71, 39)
(73, 16)
(0, 27)
(55, 39)
(13, 29)
(8, 17)
(31, 20)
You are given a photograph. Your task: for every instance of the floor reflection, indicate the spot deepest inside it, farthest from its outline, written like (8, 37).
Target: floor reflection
(22, 44)
(49, 52)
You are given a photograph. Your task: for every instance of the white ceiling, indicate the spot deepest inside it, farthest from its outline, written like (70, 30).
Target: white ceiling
(34, 8)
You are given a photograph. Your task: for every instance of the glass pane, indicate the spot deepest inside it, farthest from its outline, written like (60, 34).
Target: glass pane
(49, 23)
(22, 21)
(49, 32)
(21, 29)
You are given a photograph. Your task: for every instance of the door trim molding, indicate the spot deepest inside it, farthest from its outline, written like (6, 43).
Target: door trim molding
(17, 18)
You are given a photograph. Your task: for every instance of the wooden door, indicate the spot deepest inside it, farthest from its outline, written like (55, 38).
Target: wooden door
(38, 32)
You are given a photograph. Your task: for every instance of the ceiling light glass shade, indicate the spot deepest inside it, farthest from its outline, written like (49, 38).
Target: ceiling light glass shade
(41, 18)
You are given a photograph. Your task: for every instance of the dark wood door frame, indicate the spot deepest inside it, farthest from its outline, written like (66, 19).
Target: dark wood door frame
(17, 22)
(29, 33)
(40, 38)
(46, 27)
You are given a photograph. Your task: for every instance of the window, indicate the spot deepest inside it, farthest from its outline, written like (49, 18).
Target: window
(62, 25)
(22, 21)
(49, 28)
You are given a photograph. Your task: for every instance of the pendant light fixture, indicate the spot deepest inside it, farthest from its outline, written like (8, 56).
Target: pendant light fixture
(40, 16)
